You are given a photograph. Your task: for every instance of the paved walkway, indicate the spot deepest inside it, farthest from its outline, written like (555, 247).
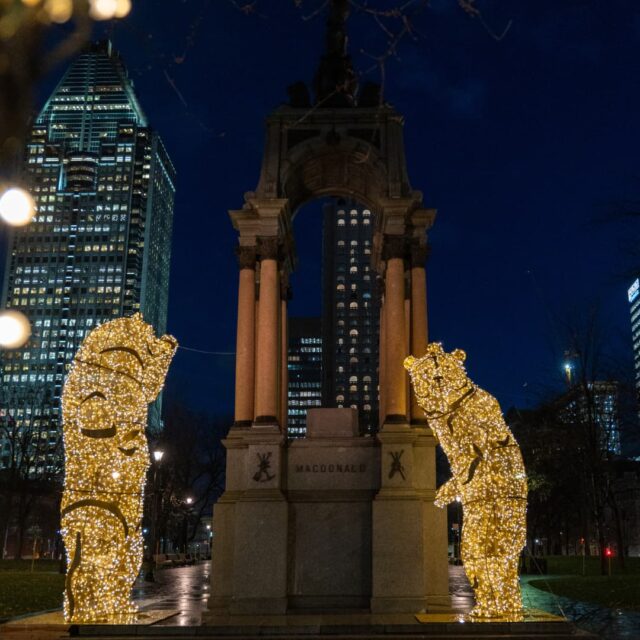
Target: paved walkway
(183, 588)
(609, 624)
(187, 589)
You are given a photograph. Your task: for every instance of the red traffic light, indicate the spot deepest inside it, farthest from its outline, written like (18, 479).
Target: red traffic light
(608, 552)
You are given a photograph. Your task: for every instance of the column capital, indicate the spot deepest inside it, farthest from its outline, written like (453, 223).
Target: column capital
(246, 257)
(419, 253)
(395, 246)
(268, 248)
(285, 288)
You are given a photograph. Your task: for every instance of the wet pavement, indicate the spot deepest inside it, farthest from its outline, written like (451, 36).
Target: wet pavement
(609, 624)
(187, 589)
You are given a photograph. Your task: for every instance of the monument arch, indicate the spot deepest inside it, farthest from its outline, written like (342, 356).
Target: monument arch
(288, 513)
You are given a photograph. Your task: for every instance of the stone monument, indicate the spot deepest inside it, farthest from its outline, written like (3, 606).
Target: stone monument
(336, 520)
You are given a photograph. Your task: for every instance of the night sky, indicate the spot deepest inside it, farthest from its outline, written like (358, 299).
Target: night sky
(525, 145)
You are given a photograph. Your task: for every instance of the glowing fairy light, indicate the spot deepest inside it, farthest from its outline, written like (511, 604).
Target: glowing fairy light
(59, 11)
(17, 207)
(109, 9)
(15, 329)
(119, 369)
(488, 477)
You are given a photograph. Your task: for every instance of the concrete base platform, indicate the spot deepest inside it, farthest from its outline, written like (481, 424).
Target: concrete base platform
(536, 626)
(50, 625)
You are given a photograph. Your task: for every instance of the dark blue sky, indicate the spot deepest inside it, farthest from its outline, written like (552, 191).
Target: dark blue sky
(521, 144)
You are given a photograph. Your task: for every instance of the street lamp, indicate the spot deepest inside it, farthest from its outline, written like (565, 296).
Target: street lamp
(185, 522)
(153, 543)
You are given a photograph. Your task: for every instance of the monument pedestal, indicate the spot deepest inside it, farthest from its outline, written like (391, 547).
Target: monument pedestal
(334, 521)
(250, 526)
(409, 552)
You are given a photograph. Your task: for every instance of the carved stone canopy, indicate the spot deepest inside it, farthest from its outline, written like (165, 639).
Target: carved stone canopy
(353, 150)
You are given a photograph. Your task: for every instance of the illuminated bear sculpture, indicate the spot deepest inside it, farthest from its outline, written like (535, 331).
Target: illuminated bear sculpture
(488, 476)
(119, 369)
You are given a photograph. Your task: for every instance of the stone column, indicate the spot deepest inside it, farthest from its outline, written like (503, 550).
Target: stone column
(245, 338)
(268, 334)
(395, 343)
(284, 353)
(382, 407)
(419, 336)
(256, 347)
(407, 335)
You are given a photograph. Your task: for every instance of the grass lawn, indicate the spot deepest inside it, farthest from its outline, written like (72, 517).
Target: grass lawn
(22, 591)
(622, 589)
(615, 591)
(25, 565)
(572, 565)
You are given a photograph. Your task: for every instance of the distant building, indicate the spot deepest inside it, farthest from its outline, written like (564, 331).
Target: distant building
(598, 403)
(305, 372)
(100, 245)
(634, 300)
(351, 312)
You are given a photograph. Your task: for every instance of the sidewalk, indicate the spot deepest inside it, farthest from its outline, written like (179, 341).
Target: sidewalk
(183, 588)
(187, 589)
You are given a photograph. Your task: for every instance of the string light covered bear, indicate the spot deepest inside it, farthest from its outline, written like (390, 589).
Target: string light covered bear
(488, 477)
(119, 369)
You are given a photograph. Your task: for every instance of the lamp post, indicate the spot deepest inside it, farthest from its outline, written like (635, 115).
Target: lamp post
(153, 543)
(185, 523)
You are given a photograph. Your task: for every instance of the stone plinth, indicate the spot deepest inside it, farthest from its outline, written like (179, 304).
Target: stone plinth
(332, 423)
(329, 522)
(331, 483)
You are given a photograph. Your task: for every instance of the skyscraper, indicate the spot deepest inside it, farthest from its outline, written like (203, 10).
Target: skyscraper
(351, 312)
(595, 404)
(99, 246)
(634, 300)
(305, 372)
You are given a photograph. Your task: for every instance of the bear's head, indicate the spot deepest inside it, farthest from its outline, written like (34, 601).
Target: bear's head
(439, 378)
(119, 369)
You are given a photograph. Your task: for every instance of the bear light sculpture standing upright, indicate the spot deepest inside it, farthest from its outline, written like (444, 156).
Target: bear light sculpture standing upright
(119, 369)
(488, 477)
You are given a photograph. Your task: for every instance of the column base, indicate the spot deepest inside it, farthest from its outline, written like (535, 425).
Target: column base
(266, 421)
(395, 418)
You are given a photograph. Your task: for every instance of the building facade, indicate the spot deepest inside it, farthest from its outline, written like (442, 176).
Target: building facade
(634, 301)
(596, 404)
(351, 312)
(99, 246)
(305, 372)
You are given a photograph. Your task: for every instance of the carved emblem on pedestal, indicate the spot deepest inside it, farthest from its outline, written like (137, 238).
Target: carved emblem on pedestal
(396, 464)
(264, 464)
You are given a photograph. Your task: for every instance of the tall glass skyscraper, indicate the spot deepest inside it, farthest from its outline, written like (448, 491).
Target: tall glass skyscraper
(351, 312)
(99, 247)
(634, 300)
(305, 373)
